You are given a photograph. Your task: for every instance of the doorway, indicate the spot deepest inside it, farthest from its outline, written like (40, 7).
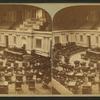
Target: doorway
(6, 41)
(89, 41)
(50, 48)
(24, 46)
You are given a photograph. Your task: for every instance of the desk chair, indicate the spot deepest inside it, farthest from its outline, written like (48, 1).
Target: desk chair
(18, 86)
(31, 84)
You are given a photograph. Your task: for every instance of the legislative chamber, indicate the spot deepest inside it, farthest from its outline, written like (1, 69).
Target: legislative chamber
(25, 39)
(76, 50)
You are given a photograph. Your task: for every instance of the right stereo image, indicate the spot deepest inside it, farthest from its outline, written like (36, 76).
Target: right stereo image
(76, 51)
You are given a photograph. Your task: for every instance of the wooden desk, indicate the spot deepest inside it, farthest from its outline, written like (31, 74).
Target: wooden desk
(87, 88)
(79, 74)
(71, 84)
(93, 69)
(70, 73)
(4, 87)
(91, 75)
(59, 68)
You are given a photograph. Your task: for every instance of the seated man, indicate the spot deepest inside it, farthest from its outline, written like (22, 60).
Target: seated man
(39, 76)
(46, 81)
(91, 76)
(76, 63)
(19, 76)
(29, 76)
(8, 76)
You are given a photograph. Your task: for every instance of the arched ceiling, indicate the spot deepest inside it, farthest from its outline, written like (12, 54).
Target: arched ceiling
(77, 17)
(53, 8)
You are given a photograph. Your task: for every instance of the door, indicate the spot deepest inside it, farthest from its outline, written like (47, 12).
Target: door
(57, 39)
(89, 41)
(6, 41)
(50, 48)
(23, 41)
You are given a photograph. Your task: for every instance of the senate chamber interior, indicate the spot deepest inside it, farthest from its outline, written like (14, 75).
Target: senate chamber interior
(25, 58)
(76, 51)
(42, 54)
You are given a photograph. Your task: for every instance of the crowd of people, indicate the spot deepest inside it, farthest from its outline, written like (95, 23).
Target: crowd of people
(24, 71)
(79, 75)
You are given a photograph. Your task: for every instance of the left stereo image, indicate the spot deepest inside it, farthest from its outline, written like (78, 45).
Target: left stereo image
(25, 50)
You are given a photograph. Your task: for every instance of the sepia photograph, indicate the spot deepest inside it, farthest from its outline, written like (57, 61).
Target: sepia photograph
(25, 44)
(49, 49)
